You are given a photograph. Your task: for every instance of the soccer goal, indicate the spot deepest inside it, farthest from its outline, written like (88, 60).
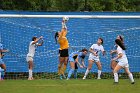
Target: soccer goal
(17, 30)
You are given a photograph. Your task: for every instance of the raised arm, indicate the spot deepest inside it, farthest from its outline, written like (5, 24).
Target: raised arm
(40, 44)
(64, 29)
(3, 50)
(37, 40)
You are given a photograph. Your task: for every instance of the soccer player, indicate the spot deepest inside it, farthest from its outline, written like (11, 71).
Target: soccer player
(122, 61)
(61, 38)
(74, 58)
(94, 57)
(32, 46)
(2, 65)
(114, 53)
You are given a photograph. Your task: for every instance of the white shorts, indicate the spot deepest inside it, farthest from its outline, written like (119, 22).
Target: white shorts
(94, 58)
(28, 58)
(122, 64)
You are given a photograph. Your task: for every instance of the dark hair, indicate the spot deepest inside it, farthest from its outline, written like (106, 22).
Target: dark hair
(83, 50)
(120, 43)
(121, 38)
(101, 40)
(56, 36)
(33, 38)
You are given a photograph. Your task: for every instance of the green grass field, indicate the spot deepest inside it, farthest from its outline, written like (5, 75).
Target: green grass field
(70, 86)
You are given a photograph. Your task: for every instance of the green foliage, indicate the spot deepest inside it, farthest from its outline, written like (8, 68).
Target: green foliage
(71, 5)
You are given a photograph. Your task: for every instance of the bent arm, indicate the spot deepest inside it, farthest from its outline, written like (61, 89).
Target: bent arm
(119, 56)
(41, 43)
(77, 61)
(37, 40)
(92, 51)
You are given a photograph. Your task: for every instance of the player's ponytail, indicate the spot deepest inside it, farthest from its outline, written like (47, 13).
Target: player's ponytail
(120, 43)
(121, 38)
(56, 36)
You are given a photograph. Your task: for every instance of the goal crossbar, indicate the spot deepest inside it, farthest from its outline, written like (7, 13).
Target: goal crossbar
(70, 16)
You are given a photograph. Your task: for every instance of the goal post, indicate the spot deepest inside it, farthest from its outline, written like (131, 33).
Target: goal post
(83, 31)
(70, 16)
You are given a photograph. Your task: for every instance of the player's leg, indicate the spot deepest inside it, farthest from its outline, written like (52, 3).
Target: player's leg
(75, 71)
(113, 64)
(30, 67)
(2, 70)
(99, 69)
(116, 69)
(129, 74)
(64, 66)
(89, 68)
(72, 65)
(61, 59)
(30, 70)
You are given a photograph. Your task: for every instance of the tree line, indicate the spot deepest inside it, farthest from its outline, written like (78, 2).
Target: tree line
(71, 5)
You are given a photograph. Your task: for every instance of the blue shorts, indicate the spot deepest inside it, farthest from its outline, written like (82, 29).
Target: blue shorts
(71, 59)
(1, 62)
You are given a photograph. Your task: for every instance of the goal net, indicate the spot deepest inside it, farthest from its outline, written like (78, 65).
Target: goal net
(83, 30)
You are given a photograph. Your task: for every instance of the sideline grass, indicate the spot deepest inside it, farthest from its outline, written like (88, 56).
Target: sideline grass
(70, 86)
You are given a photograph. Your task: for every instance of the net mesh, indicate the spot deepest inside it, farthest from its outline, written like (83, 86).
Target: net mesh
(16, 33)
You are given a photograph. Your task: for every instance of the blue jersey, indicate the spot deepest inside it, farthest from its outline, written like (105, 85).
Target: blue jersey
(75, 55)
(113, 55)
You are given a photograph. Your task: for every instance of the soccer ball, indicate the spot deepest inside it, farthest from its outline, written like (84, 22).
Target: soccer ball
(65, 18)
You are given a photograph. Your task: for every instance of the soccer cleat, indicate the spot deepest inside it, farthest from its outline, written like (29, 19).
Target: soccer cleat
(67, 79)
(31, 78)
(60, 77)
(132, 82)
(64, 76)
(84, 78)
(115, 83)
(98, 78)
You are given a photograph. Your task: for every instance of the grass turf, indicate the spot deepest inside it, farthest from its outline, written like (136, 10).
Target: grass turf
(70, 86)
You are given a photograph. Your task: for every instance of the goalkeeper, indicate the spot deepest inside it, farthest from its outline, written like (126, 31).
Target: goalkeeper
(61, 38)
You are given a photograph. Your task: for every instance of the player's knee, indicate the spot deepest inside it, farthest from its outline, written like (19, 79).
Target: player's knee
(115, 71)
(59, 66)
(112, 67)
(89, 68)
(65, 63)
(100, 67)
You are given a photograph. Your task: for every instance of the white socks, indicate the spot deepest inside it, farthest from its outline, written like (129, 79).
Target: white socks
(87, 71)
(30, 73)
(116, 77)
(99, 74)
(131, 77)
(0, 75)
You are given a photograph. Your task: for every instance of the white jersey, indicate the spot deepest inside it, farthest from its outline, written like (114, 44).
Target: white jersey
(97, 48)
(32, 48)
(123, 59)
